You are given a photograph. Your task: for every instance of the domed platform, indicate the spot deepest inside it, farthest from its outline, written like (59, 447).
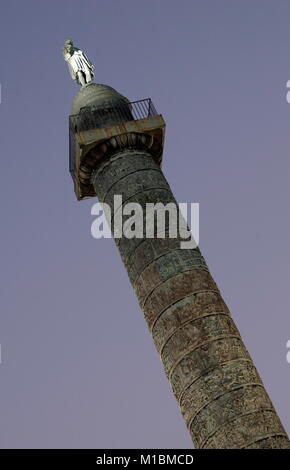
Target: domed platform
(95, 95)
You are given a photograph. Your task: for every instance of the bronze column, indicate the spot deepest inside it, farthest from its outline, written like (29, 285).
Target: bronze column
(213, 378)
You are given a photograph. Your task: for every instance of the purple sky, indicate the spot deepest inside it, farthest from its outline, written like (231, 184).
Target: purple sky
(79, 368)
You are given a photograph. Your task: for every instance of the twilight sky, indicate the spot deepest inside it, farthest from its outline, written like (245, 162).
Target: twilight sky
(79, 368)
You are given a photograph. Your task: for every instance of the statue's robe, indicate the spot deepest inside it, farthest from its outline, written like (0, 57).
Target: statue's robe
(78, 62)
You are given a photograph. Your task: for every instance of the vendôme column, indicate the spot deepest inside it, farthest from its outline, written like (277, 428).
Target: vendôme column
(115, 154)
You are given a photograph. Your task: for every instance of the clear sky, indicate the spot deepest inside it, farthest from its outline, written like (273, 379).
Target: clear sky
(79, 368)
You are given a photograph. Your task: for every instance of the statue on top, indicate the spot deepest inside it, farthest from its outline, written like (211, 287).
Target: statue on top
(80, 67)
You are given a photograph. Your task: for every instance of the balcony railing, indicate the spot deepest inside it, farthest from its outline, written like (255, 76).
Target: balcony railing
(97, 117)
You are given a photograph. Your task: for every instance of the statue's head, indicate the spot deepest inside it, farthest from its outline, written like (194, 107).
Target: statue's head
(68, 45)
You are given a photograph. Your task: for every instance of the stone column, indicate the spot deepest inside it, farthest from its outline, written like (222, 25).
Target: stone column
(214, 380)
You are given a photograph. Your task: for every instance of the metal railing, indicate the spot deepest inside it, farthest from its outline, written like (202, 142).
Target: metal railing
(143, 108)
(96, 117)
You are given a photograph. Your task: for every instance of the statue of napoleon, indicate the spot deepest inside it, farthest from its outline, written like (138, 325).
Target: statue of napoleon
(80, 67)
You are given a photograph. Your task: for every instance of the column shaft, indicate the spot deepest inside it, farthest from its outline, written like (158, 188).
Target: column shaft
(214, 380)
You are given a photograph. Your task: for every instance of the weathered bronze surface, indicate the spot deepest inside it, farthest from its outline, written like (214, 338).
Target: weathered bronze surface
(90, 147)
(214, 380)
